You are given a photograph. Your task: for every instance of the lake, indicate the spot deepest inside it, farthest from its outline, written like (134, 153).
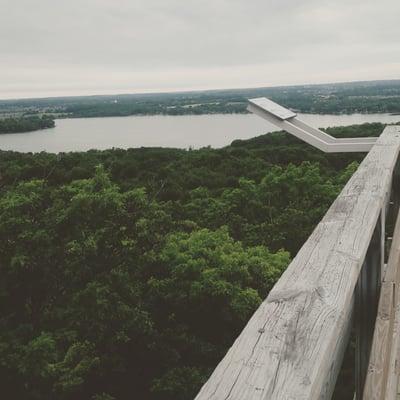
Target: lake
(162, 131)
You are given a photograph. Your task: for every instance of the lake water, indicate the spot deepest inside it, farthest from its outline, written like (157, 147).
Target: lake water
(162, 131)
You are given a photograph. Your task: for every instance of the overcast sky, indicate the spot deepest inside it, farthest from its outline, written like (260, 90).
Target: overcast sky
(67, 47)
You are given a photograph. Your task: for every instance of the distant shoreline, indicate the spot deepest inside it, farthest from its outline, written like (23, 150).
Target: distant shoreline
(216, 113)
(13, 125)
(377, 97)
(30, 131)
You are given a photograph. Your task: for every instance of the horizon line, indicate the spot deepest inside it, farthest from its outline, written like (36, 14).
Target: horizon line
(193, 90)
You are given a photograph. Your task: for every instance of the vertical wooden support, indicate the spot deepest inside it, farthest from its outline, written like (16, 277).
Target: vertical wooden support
(384, 212)
(366, 303)
(369, 283)
(395, 193)
(381, 377)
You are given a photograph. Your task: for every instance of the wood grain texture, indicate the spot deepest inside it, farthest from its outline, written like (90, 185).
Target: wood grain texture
(376, 384)
(382, 345)
(382, 377)
(292, 347)
(393, 367)
(393, 362)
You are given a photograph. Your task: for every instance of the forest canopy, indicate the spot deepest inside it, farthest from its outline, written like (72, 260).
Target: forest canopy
(129, 273)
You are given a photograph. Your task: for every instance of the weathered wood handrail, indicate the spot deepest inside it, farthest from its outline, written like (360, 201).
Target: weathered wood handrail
(292, 347)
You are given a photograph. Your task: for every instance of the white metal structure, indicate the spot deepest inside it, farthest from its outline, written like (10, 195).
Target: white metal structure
(288, 121)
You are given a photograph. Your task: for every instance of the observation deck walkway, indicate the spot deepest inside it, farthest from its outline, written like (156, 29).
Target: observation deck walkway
(345, 279)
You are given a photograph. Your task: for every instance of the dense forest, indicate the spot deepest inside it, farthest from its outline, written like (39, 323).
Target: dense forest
(335, 98)
(25, 124)
(127, 274)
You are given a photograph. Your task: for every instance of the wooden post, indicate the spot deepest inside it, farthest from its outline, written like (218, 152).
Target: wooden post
(366, 303)
(382, 375)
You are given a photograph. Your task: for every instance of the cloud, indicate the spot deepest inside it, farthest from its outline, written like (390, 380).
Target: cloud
(94, 46)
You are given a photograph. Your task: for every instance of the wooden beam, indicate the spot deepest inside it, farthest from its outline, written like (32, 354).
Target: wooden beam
(393, 368)
(292, 347)
(376, 384)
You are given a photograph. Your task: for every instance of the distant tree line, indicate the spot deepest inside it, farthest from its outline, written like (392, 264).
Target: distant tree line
(339, 98)
(26, 124)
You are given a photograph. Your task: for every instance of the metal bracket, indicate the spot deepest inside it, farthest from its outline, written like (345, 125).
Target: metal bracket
(288, 121)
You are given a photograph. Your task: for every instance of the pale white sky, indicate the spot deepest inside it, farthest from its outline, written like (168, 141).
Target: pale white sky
(75, 47)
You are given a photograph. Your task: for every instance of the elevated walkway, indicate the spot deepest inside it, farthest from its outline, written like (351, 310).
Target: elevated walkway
(292, 348)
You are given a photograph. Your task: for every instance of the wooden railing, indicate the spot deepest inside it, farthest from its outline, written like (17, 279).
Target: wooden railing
(292, 348)
(383, 368)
